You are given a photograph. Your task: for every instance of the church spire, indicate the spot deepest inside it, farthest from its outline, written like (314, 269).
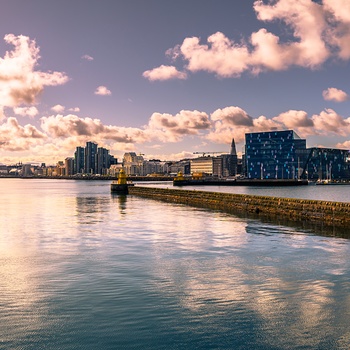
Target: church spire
(233, 148)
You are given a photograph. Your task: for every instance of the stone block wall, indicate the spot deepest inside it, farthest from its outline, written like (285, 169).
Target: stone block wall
(325, 212)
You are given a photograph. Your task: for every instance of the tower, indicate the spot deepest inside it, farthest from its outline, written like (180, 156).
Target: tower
(79, 160)
(233, 148)
(90, 158)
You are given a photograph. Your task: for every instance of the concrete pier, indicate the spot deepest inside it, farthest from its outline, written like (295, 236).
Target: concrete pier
(333, 214)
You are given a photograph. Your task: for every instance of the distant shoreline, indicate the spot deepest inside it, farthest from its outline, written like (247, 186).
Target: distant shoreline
(90, 178)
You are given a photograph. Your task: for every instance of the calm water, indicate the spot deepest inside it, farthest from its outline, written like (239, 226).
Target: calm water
(83, 269)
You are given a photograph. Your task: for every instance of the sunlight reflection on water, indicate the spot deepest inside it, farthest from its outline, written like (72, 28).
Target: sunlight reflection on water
(84, 269)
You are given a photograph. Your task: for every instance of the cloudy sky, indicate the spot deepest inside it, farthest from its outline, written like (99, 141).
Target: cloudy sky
(169, 78)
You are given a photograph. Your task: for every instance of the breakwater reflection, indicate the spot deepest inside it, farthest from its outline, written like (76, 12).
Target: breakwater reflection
(84, 269)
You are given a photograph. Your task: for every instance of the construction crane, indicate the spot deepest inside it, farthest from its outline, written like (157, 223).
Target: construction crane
(204, 153)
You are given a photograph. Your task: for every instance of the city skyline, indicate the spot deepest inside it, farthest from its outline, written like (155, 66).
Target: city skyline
(170, 78)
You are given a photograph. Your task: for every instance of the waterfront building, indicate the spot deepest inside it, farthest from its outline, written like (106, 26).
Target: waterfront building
(275, 155)
(154, 166)
(114, 169)
(79, 160)
(182, 166)
(69, 166)
(90, 158)
(3, 169)
(102, 160)
(112, 160)
(39, 170)
(27, 170)
(60, 169)
(133, 164)
(207, 165)
(327, 164)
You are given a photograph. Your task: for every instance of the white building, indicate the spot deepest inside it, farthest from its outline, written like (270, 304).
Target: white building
(133, 164)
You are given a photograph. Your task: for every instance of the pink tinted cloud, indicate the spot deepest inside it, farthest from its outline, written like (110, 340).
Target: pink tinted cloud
(235, 122)
(20, 82)
(320, 31)
(172, 128)
(221, 56)
(164, 73)
(87, 57)
(329, 121)
(297, 121)
(334, 94)
(14, 137)
(26, 111)
(102, 91)
(70, 125)
(58, 108)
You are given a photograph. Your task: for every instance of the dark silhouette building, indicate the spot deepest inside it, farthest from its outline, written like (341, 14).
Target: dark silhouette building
(102, 160)
(327, 164)
(79, 160)
(90, 158)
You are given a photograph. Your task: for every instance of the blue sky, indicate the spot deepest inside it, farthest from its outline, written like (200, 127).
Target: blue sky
(169, 78)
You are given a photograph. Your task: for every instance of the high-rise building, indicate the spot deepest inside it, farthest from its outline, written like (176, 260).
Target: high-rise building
(90, 158)
(275, 155)
(79, 160)
(102, 160)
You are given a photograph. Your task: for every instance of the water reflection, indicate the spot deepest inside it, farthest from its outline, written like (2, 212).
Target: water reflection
(280, 287)
(120, 199)
(94, 270)
(91, 210)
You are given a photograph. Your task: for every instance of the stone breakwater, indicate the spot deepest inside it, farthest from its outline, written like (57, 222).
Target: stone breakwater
(336, 214)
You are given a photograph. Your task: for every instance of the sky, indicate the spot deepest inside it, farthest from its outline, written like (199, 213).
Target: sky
(169, 78)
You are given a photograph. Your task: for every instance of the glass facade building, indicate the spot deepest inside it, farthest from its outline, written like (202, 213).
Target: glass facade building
(90, 158)
(275, 155)
(327, 164)
(79, 160)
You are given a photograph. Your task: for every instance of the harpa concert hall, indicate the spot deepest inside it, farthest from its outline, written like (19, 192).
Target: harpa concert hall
(283, 155)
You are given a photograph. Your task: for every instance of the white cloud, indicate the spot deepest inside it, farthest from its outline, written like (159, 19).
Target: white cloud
(103, 91)
(164, 73)
(297, 121)
(70, 125)
(330, 122)
(334, 94)
(20, 83)
(234, 116)
(339, 8)
(26, 111)
(307, 21)
(14, 137)
(58, 108)
(87, 57)
(74, 109)
(319, 32)
(228, 122)
(172, 128)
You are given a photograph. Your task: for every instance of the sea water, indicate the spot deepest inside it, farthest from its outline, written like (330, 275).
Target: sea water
(81, 268)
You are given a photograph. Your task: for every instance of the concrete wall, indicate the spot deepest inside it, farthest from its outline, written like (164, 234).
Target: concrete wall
(329, 213)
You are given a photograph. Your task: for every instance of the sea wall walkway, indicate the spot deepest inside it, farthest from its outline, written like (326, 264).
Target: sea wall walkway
(335, 214)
